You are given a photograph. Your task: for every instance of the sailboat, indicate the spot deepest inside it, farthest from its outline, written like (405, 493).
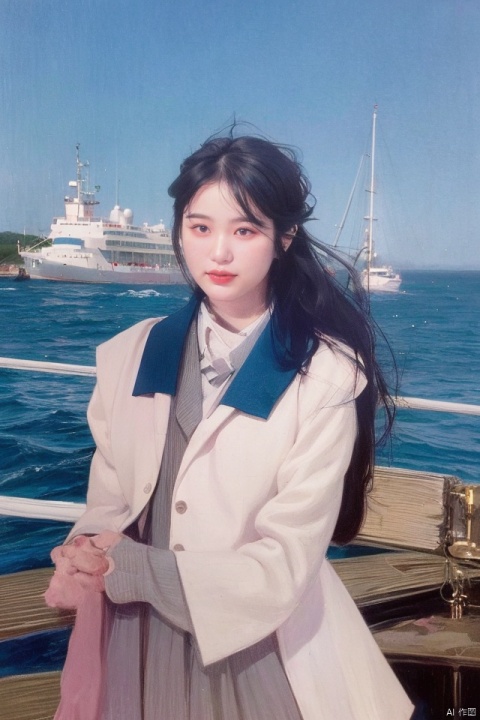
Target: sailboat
(375, 278)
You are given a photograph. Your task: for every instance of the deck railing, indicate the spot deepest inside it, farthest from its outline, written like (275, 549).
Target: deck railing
(70, 511)
(412, 403)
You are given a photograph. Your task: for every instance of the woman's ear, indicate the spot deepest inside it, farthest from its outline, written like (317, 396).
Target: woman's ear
(288, 237)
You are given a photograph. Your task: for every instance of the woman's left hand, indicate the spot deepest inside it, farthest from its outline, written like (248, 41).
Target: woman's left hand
(80, 568)
(88, 554)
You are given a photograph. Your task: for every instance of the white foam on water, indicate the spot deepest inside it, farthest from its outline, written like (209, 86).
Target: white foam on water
(150, 292)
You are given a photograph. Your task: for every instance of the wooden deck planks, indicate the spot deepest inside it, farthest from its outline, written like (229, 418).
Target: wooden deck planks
(23, 608)
(29, 697)
(371, 579)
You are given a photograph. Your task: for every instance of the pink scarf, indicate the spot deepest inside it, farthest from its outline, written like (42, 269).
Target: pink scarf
(81, 696)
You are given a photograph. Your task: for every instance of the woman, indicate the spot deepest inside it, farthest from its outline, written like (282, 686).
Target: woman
(235, 440)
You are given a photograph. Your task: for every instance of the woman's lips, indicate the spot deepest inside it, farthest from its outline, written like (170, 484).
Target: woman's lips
(220, 278)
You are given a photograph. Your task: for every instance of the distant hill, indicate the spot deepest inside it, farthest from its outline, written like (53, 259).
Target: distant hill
(9, 244)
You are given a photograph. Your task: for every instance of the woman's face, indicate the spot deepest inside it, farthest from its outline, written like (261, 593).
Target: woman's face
(228, 256)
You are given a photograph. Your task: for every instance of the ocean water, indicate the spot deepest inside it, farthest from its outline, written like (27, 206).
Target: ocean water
(45, 446)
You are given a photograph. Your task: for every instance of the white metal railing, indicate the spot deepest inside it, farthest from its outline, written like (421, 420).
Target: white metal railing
(437, 405)
(85, 370)
(60, 510)
(69, 511)
(48, 367)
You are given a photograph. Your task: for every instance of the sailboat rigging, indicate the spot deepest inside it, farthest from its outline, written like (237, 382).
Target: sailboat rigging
(374, 278)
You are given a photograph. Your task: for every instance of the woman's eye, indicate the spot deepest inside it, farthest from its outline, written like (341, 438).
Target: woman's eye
(201, 228)
(244, 232)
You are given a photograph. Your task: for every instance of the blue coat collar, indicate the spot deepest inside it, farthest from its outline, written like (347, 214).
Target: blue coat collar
(255, 388)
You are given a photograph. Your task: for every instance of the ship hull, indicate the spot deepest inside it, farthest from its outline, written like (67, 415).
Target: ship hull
(383, 280)
(385, 286)
(43, 269)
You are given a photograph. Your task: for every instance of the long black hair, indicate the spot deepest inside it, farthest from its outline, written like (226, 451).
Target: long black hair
(310, 305)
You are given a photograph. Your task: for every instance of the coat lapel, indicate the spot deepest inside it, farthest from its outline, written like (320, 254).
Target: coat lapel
(262, 379)
(161, 359)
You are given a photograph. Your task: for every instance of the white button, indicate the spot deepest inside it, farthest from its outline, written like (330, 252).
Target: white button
(147, 488)
(178, 547)
(181, 507)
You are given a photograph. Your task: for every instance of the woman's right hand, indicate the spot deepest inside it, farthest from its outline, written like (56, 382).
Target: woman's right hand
(79, 568)
(85, 556)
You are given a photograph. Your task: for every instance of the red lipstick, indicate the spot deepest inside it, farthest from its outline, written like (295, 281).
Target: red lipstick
(220, 278)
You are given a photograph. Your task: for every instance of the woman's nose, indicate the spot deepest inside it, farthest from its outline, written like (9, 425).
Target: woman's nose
(220, 250)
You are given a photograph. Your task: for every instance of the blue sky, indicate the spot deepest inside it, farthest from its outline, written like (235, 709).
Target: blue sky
(141, 83)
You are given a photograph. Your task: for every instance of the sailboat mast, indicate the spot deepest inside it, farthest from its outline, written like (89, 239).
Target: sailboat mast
(375, 276)
(371, 218)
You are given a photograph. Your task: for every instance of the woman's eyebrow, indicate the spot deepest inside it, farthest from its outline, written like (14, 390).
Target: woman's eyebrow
(240, 218)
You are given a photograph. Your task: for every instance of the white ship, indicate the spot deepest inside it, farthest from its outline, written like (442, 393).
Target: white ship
(381, 278)
(89, 249)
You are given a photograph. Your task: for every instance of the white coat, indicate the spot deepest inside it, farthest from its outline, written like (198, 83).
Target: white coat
(262, 487)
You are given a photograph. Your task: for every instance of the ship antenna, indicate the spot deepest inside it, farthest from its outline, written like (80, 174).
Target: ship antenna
(79, 173)
(117, 180)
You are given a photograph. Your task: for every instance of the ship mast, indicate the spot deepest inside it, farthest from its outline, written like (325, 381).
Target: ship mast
(371, 190)
(81, 206)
